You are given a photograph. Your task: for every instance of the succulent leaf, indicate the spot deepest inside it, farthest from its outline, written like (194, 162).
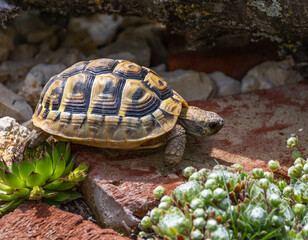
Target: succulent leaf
(28, 153)
(58, 169)
(11, 205)
(46, 155)
(84, 166)
(15, 168)
(35, 179)
(244, 226)
(157, 230)
(61, 196)
(54, 184)
(22, 192)
(50, 193)
(69, 166)
(12, 180)
(74, 195)
(66, 150)
(1, 173)
(3, 165)
(65, 185)
(5, 188)
(51, 202)
(48, 149)
(25, 168)
(61, 146)
(44, 167)
(8, 197)
(55, 156)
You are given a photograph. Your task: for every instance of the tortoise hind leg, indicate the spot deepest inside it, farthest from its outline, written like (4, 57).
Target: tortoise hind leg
(174, 150)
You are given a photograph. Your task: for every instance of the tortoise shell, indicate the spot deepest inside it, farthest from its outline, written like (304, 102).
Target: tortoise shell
(107, 103)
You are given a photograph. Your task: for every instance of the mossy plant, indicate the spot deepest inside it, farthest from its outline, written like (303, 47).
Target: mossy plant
(227, 203)
(45, 173)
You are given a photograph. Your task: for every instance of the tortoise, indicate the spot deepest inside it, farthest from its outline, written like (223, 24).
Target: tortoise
(118, 104)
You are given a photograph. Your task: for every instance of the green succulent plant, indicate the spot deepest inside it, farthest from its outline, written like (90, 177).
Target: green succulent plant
(45, 173)
(227, 203)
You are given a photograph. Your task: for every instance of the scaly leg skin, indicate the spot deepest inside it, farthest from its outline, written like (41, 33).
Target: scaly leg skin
(174, 150)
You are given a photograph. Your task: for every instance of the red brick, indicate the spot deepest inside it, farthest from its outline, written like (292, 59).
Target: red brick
(36, 220)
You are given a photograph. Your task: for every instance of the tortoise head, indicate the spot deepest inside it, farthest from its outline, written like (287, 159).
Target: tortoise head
(200, 123)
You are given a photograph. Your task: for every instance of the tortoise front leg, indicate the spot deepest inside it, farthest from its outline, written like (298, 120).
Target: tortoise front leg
(176, 145)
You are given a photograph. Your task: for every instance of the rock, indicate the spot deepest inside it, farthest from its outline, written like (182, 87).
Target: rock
(39, 35)
(191, 85)
(119, 184)
(225, 85)
(123, 55)
(154, 35)
(6, 45)
(270, 74)
(66, 56)
(138, 48)
(11, 135)
(12, 72)
(8, 12)
(32, 86)
(37, 220)
(30, 27)
(24, 52)
(13, 105)
(137, 42)
(28, 124)
(131, 21)
(160, 68)
(80, 40)
(49, 44)
(194, 20)
(101, 27)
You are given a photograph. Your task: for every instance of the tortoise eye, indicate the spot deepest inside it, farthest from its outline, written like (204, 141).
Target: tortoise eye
(213, 125)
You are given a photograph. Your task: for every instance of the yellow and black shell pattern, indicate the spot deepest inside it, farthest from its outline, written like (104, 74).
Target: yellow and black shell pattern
(107, 103)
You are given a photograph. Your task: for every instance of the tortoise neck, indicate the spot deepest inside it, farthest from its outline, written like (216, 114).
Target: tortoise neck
(188, 117)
